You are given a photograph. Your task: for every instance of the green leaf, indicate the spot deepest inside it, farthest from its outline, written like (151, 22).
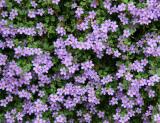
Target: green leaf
(158, 71)
(125, 1)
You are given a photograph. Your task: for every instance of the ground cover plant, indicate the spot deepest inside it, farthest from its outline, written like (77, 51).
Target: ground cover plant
(79, 61)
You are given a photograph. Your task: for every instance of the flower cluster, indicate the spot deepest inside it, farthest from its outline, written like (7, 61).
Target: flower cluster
(79, 61)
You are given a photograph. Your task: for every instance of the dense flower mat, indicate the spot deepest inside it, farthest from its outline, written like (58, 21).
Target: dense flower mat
(79, 61)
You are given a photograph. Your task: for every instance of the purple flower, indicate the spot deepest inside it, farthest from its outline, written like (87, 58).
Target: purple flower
(79, 12)
(31, 14)
(107, 79)
(123, 18)
(18, 1)
(34, 4)
(40, 12)
(126, 33)
(61, 30)
(42, 63)
(60, 119)
(157, 117)
(20, 116)
(4, 14)
(24, 94)
(116, 53)
(121, 7)
(151, 93)
(110, 91)
(13, 14)
(39, 120)
(87, 118)
(113, 101)
(128, 76)
(87, 65)
(101, 114)
(50, 11)
(94, 4)
(3, 59)
(55, 1)
(39, 107)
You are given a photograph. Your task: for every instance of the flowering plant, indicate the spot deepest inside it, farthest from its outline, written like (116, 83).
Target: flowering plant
(79, 61)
